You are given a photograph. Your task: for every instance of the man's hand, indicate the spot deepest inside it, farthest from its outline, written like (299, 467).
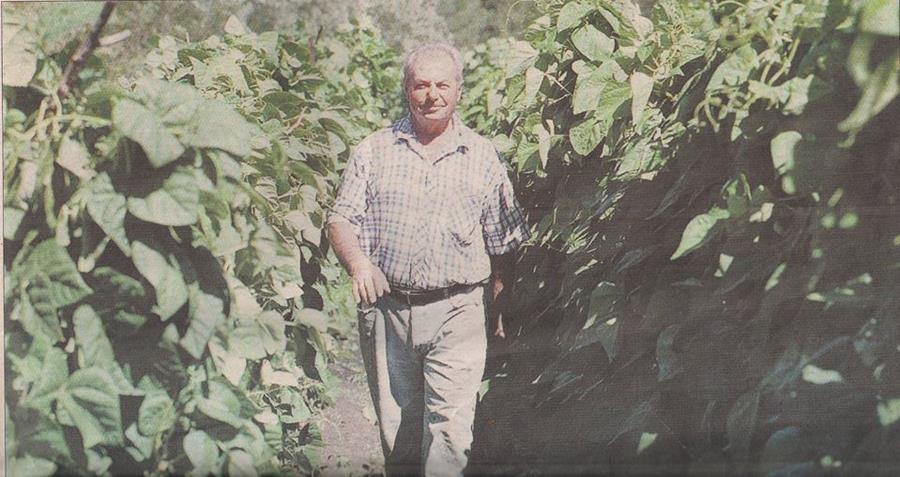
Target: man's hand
(501, 273)
(495, 310)
(369, 282)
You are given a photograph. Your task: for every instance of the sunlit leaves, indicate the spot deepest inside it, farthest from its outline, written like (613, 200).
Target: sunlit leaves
(699, 231)
(143, 127)
(91, 400)
(173, 197)
(592, 43)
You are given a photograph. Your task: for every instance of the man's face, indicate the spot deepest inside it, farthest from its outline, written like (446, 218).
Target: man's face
(432, 88)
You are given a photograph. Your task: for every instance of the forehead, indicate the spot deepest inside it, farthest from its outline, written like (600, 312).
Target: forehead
(434, 66)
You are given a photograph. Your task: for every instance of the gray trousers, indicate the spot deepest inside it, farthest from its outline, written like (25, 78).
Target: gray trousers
(424, 366)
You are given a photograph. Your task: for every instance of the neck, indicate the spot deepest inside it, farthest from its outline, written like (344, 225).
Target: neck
(427, 131)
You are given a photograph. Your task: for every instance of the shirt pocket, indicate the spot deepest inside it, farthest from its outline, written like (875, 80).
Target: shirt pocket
(464, 220)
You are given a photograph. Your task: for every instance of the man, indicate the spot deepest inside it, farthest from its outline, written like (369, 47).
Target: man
(424, 218)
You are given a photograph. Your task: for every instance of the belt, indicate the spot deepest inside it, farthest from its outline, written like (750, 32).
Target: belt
(424, 297)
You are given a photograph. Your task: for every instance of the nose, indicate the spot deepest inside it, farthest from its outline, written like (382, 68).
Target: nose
(432, 92)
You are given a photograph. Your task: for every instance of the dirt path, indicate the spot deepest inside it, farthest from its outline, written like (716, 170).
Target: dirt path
(352, 445)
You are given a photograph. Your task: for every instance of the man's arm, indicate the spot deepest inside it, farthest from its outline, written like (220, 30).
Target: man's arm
(369, 282)
(501, 277)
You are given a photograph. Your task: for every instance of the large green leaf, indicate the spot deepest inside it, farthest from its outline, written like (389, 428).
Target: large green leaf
(641, 87)
(735, 69)
(571, 15)
(586, 135)
(881, 17)
(208, 303)
(95, 349)
(783, 146)
(91, 400)
(217, 125)
(880, 89)
(162, 269)
(592, 43)
(255, 338)
(51, 282)
(54, 372)
(202, 451)
(30, 466)
(156, 414)
(591, 83)
(146, 128)
(19, 54)
(699, 231)
(107, 207)
(168, 197)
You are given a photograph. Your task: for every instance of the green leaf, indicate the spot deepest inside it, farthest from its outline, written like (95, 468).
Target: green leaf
(202, 451)
(889, 412)
(221, 405)
(586, 135)
(107, 208)
(313, 318)
(591, 83)
(146, 128)
(120, 289)
(12, 222)
(208, 303)
(95, 349)
(171, 198)
(816, 375)
(741, 424)
(30, 466)
(40, 435)
(241, 463)
(881, 17)
(647, 439)
(571, 15)
(613, 97)
(161, 268)
(73, 157)
(91, 400)
(699, 231)
(217, 125)
(641, 87)
(52, 282)
(54, 372)
(19, 55)
(255, 338)
(880, 89)
(735, 69)
(592, 43)
(782, 148)
(156, 414)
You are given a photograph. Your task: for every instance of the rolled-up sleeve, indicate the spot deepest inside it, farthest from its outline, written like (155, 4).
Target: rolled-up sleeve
(350, 203)
(502, 219)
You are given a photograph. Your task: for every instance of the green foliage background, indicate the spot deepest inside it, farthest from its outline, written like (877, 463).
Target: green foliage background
(713, 282)
(712, 285)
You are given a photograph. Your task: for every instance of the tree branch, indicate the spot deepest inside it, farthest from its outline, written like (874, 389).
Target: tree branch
(84, 51)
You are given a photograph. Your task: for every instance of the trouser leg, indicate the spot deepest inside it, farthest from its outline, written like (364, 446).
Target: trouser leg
(453, 368)
(394, 373)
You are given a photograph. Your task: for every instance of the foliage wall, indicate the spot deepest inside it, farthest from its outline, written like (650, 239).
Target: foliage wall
(713, 283)
(165, 300)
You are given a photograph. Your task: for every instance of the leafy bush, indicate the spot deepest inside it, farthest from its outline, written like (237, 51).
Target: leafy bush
(164, 256)
(713, 279)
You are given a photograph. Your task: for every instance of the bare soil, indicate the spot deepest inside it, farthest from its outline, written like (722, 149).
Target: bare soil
(352, 446)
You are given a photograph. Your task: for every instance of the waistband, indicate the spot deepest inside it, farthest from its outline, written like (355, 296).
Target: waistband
(424, 297)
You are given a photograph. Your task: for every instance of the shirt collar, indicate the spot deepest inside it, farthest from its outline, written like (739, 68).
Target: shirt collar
(403, 130)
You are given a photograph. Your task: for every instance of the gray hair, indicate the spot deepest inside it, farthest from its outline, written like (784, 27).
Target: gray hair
(429, 49)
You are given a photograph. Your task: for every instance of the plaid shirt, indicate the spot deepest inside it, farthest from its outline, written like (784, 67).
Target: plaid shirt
(429, 223)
